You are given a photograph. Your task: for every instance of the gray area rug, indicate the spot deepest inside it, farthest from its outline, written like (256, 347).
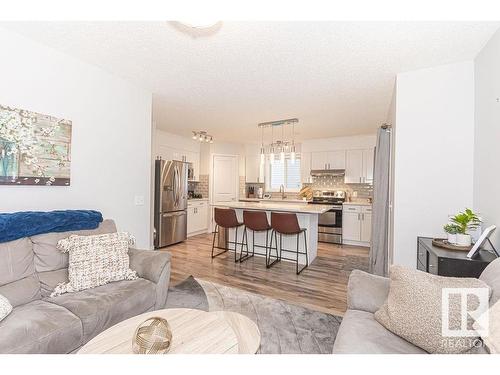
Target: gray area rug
(284, 328)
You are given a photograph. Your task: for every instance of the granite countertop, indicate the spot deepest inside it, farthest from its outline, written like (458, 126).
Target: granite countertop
(299, 208)
(197, 199)
(274, 200)
(361, 203)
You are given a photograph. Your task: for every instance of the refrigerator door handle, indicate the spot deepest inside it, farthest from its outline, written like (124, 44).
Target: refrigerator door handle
(176, 186)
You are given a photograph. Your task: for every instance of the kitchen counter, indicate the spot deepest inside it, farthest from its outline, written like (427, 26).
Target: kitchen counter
(273, 200)
(302, 208)
(307, 215)
(197, 200)
(357, 204)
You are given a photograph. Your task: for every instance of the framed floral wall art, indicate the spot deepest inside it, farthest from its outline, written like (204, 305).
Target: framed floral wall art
(35, 149)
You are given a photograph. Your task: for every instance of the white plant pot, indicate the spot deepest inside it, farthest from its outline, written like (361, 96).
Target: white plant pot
(452, 238)
(464, 240)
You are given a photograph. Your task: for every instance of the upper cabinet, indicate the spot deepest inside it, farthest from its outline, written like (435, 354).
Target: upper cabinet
(359, 166)
(368, 163)
(254, 171)
(325, 160)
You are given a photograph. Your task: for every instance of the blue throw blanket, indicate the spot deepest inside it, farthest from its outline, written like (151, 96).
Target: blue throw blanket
(25, 224)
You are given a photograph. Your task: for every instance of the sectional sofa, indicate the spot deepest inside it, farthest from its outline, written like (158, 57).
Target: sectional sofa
(31, 267)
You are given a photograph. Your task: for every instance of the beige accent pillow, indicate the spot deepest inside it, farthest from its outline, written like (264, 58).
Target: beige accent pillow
(492, 335)
(413, 310)
(95, 260)
(5, 307)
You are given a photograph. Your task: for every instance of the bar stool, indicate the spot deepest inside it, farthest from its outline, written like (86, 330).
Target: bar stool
(256, 221)
(287, 224)
(226, 218)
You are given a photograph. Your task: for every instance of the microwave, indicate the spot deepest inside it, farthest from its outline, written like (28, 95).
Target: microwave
(190, 171)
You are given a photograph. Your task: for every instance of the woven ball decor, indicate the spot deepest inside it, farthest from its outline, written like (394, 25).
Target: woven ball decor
(153, 336)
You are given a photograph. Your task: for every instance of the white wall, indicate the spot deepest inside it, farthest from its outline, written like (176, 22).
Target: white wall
(163, 138)
(487, 135)
(339, 143)
(111, 140)
(434, 139)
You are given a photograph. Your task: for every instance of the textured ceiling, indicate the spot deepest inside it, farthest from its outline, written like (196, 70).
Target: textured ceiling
(336, 77)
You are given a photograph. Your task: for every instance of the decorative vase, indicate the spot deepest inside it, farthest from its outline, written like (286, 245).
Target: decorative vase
(452, 238)
(463, 239)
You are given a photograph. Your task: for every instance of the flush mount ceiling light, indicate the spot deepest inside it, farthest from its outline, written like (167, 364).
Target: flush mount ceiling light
(202, 136)
(197, 28)
(284, 146)
(199, 23)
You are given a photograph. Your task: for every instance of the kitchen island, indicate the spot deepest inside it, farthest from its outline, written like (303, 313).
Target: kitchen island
(307, 215)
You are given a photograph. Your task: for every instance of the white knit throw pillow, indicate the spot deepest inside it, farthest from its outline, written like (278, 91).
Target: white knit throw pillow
(5, 307)
(95, 261)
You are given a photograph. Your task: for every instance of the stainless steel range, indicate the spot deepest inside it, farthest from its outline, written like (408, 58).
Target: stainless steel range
(330, 223)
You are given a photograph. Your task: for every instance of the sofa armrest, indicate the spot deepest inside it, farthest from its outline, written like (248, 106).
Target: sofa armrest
(149, 264)
(366, 292)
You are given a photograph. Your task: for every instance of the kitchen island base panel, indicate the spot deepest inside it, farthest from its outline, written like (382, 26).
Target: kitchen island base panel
(307, 221)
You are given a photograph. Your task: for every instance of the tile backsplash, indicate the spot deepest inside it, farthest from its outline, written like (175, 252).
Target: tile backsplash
(362, 191)
(200, 187)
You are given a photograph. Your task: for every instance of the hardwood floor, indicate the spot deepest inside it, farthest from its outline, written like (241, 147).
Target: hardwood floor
(322, 286)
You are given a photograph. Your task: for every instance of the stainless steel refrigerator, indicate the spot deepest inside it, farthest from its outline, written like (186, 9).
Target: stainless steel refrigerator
(170, 207)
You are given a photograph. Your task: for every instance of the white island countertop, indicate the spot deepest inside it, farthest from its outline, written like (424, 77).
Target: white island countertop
(300, 208)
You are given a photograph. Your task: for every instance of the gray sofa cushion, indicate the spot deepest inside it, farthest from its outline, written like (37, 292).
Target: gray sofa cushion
(366, 292)
(491, 276)
(22, 291)
(40, 327)
(153, 266)
(17, 272)
(360, 333)
(49, 258)
(50, 279)
(102, 307)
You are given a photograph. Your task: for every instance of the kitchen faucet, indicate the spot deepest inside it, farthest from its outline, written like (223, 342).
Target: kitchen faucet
(282, 191)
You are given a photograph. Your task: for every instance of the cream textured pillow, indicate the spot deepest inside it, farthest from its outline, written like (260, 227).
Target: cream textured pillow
(5, 307)
(95, 260)
(413, 309)
(492, 337)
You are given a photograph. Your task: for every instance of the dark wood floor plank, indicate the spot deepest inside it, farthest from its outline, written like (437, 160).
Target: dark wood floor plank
(322, 286)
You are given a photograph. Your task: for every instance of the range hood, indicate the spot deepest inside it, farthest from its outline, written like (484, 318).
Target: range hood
(328, 172)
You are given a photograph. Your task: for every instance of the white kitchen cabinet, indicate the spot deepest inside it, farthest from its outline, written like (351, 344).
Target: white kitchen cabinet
(353, 167)
(350, 226)
(319, 160)
(197, 217)
(359, 166)
(336, 159)
(368, 160)
(305, 167)
(356, 225)
(366, 227)
(254, 171)
(328, 160)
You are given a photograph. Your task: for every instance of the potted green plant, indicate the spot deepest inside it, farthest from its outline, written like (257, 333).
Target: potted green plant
(451, 230)
(465, 221)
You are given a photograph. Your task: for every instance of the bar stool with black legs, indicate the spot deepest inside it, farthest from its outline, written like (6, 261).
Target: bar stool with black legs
(256, 221)
(226, 219)
(286, 224)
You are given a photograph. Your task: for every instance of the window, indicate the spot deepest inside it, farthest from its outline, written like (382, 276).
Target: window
(286, 174)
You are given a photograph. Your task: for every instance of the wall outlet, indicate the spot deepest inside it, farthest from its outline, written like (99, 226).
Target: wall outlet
(139, 200)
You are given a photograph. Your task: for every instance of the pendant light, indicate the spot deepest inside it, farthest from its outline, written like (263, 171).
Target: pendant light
(262, 148)
(282, 153)
(271, 154)
(292, 148)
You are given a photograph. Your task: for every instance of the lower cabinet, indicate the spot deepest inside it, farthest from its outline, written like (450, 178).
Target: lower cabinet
(197, 217)
(357, 225)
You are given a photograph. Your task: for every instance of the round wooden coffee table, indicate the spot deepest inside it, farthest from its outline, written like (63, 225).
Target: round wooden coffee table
(193, 332)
